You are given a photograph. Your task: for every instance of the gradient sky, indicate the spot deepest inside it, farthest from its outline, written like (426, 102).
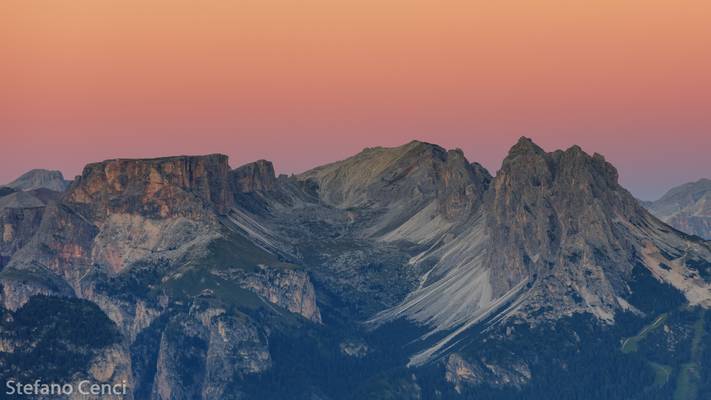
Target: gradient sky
(304, 82)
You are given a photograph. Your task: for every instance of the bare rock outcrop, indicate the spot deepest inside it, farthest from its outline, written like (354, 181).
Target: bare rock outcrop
(201, 352)
(291, 290)
(158, 187)
(254, 177)
(461, 373)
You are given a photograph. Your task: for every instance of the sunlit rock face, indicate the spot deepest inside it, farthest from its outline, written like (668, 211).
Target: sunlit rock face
(160, 187)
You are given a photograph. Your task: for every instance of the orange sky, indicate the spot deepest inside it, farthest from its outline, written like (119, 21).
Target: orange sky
(303, 82)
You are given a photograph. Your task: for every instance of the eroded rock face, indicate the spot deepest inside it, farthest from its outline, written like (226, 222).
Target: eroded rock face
(120, 237)
(61, 246)
(201, 352)
(562, 222)
(354, 348)
(254, 177)
(126, 239)
(16, 291)
(131, 315)
(461, 373)
(111, 366)
(288, 289)
(555, 235)
(413, 192)
(160, 187)
(552, 220)
(18, 226)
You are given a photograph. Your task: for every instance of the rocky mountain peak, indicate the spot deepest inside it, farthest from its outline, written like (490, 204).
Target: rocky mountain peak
(575, 160)
(527, 164)
(557, 236)
(411, 149)
(256, 176)
(414, 188)
(524, 147)
(40, 179)
(376, 172)
(549, 194)
(561, 213)
(526, 161)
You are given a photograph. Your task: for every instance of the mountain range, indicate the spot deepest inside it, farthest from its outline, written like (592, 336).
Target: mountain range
(398, 273)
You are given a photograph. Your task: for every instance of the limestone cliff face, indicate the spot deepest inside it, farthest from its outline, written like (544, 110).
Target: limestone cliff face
(552, 220)
(561, 222)
(126, 239)
(160, 187)
(60, 247)
(17, 290)
(131, 315)
(21, 214)
(111, 366)
(292, 290)
(254, 177)
(49, 253)
(461, 374)
(201, 352)
(121, 236)
(17, 226)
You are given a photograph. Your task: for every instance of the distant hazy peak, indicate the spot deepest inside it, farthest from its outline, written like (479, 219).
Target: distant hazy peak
(40, 179)
(686, 207)
(698, 187)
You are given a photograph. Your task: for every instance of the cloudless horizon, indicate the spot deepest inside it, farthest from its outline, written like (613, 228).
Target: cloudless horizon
(311, 82)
